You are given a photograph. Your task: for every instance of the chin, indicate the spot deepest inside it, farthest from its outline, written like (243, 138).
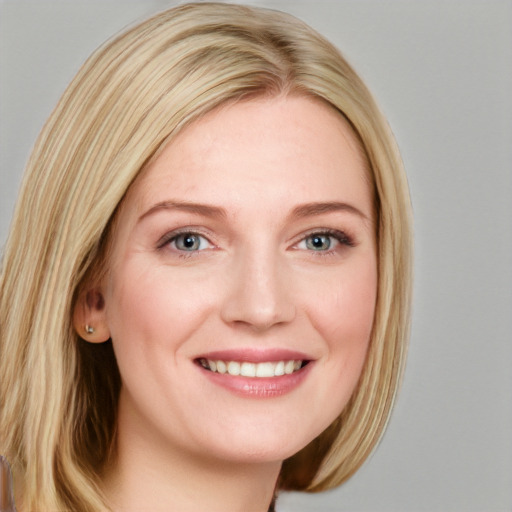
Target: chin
(262, 443)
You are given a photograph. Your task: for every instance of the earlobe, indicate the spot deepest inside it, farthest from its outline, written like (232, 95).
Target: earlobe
(89, 317)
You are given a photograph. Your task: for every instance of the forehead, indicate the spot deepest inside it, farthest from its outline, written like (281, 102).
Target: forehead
(272, 145)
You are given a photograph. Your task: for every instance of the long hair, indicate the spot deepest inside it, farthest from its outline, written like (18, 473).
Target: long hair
(58, 394)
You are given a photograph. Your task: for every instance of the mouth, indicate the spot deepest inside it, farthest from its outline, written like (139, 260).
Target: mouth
(264, 369)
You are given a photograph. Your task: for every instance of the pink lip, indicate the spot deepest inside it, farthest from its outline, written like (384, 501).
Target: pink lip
(255, 355)
(258, 387)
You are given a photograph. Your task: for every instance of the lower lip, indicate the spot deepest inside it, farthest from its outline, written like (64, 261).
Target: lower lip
(258, 387)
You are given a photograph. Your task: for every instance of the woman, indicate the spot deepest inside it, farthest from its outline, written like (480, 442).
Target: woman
(205, 291)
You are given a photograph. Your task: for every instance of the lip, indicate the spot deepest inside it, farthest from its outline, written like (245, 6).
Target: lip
(267, 387)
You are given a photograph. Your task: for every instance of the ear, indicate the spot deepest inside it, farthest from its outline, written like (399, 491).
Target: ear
(89, 316)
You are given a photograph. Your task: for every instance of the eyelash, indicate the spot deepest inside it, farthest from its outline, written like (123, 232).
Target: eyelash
(340, 236)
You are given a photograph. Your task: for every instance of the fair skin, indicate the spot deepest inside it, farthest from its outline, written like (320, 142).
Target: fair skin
(249, 239)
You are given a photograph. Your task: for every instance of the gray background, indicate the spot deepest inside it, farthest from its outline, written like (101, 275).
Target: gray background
(442, 73)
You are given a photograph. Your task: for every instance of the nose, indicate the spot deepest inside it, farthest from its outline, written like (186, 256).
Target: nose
(258, 292)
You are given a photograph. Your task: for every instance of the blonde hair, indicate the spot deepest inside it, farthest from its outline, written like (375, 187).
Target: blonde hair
(58, 394)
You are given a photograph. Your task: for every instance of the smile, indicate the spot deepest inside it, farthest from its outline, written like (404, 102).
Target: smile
(264, 369)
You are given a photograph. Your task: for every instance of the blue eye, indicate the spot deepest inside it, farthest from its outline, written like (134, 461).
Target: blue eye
(189, 242)
(318, 242)
(325, 241)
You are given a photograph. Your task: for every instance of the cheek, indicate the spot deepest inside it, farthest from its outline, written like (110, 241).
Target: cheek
(154, 307)
(344, 314)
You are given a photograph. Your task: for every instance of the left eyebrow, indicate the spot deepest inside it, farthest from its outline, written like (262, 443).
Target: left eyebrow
(312, 209)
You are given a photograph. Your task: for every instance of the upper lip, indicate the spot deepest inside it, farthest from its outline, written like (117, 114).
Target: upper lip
(255, 355)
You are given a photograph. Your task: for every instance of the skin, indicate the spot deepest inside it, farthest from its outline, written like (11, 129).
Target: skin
(254, 282)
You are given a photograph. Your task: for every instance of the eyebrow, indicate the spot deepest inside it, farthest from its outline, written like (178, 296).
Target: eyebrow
(201, 209)
(312, 209)
(216, 212)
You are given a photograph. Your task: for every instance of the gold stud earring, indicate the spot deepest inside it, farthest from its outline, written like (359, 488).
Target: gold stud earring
(89, 329)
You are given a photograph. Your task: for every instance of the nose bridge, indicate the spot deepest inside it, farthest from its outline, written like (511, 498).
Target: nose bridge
(258, 294)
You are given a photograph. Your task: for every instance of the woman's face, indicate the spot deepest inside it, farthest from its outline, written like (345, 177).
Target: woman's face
(242, 283)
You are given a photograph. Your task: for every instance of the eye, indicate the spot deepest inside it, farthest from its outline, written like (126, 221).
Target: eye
(324, 241)
(186, 241)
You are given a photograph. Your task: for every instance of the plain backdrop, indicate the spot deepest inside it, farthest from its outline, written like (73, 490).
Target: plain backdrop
(441, 70)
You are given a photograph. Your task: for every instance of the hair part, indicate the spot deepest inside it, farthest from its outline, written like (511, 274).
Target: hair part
(58, 395)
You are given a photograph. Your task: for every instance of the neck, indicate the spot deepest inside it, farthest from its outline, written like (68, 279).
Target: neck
(146, 477)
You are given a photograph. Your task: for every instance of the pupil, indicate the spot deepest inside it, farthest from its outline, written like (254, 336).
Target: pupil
(189, 241)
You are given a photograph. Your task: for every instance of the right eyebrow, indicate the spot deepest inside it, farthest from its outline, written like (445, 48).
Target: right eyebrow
(202, 209)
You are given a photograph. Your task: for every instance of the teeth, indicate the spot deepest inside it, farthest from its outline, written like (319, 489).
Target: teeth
(289, 366)
(221, 367)
(246, 369)
(265, 370)
(233, 368)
